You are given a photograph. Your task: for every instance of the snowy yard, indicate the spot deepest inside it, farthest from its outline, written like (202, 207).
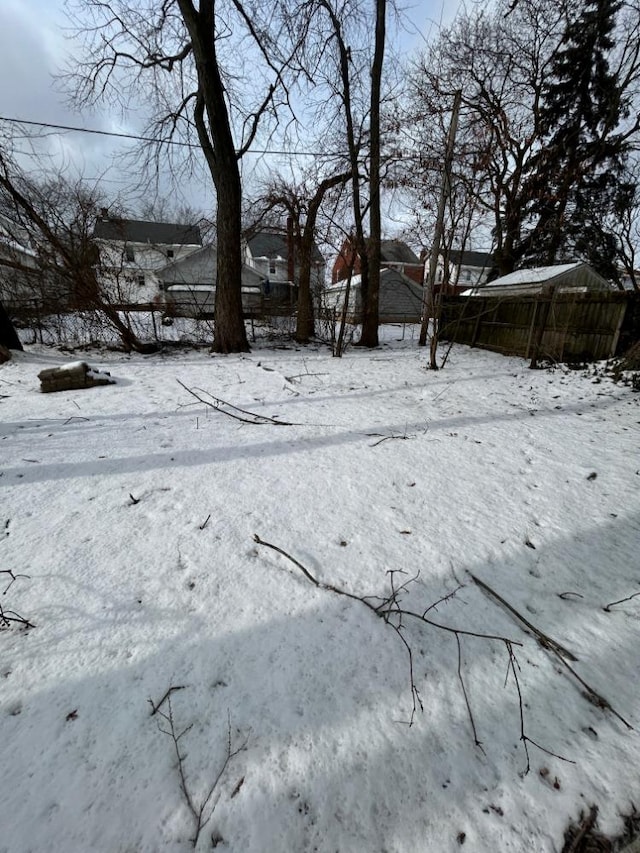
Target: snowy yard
(132, 509)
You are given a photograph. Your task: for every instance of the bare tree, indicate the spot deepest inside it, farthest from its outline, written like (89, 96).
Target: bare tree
(352, 38)
(347, 66)
(628, 227)
(499, 64)
(503, 64)
(186, 61)
(59, 215)
(302, 201)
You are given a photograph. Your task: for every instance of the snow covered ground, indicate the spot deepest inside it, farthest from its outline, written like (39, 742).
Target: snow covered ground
(132, 509)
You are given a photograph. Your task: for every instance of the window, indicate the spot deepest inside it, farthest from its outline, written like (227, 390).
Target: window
(169, 253)
(140, 280)
(129, 254)
(272, 266)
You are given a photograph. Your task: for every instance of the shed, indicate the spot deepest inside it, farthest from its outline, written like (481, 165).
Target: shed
(576, 277)
(400, 298)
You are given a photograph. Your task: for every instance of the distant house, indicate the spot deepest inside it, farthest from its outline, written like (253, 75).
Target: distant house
(188, 285)
(394, 254)
(19, 274)
(400, 298)
(132, 251)
(458, 270)
(28, 287)
(629, 281)
(577, 277)
(271, 253)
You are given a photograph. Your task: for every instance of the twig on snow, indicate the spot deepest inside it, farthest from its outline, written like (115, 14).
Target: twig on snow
(238, 414)
(544, 640)
(466, 698)
(14, 577)
(156, 706)
(393, 612)
(607, 609)
(560, 652)
(389, 438)
(405, 436)
(201, 812)
(514, 666)
(9, 617)
(592, 695)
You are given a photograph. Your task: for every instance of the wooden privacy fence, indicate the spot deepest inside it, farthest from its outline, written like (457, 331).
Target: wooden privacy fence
(565, 326)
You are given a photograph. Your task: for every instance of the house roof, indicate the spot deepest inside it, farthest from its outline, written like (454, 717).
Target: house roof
(199, 268)
(576, 275)
(139, 231)
(274, 244)
(387, 276)
(483, 260)
(395, 251)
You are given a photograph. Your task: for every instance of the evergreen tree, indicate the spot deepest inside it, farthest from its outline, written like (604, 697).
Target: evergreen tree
(576, 179)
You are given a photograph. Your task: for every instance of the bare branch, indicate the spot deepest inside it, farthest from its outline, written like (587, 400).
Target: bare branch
(544, 640)
(202, 811)
(231, 411)
(392, 611)
(608, 607)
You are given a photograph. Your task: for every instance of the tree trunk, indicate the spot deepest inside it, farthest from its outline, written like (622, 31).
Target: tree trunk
(8, 335)
(305, 326)
(214, 132)
(370, 299)
(229, 330)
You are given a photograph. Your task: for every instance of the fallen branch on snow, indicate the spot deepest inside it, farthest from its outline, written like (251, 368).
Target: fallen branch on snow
(201, 812)
(393, 612)
(238, 414)
(608, 607)
(544, 640)
(559, 651)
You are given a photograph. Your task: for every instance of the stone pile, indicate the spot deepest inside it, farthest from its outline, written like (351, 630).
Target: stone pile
(71, 377)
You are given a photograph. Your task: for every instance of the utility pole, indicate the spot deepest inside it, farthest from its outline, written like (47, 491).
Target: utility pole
(429, 303)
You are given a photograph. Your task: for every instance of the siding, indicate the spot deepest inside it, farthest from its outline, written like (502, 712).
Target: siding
(400, 299)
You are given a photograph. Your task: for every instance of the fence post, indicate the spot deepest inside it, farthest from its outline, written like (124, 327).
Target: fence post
(544, 300)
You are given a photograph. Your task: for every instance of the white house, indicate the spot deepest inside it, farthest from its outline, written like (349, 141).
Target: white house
(458, 270)
(132, 252)
(271, 253)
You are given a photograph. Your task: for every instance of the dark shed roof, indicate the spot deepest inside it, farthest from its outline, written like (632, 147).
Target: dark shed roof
(471, 259)
(138, 231)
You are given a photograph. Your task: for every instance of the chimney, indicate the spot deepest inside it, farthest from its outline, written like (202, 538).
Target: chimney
(104, 212)
(291, 265)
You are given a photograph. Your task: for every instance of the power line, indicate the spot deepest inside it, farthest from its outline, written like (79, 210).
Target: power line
(75, 129)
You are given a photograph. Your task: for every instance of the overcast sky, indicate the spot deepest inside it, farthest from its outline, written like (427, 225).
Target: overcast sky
(33, 48)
